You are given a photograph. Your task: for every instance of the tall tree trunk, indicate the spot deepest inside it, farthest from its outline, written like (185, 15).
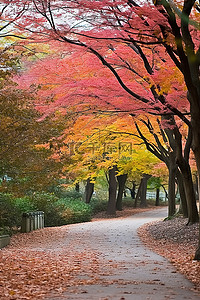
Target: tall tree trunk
(111, 209)
(89, 189)
(77, 187)
(138, 194)
(196, 186)
(193, 215)
(143, 195)
(132, 190)
(157, 197)
(187, 180)
(183, 201)
(121, 184)
(197, 156)
(171, 185)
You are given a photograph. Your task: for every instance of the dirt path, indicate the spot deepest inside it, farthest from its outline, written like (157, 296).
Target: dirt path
(126, 269)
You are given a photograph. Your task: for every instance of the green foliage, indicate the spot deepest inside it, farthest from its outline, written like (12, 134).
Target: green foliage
(69, 194)
(8, 213)
(61, 211)
(11, 211)
(74, 211)
(128, 202)
(46, 202)
(98, 204)
(57, 211)
(24, 205)
(154, 182)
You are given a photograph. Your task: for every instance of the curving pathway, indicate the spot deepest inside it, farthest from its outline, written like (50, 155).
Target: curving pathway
(137, 272)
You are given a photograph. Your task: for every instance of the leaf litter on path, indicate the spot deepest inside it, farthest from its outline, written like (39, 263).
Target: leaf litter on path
(37, 262)
(177, 242)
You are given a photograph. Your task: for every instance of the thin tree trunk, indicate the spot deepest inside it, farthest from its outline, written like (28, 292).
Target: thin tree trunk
(196, 186)
(197, 253)
(133, 190)
(171, 186)
(89, 189)
(138, 194)
(121, 184)
(157, 197)
(77, 187)
(193, 216)
(111, 209)
(183, 202)
(184, 166)
(143, 195)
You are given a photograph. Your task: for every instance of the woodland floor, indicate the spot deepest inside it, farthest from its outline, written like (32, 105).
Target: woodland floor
(39, 262)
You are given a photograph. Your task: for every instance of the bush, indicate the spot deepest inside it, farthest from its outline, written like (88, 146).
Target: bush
(70, 194)
(128, 202)
(98, 205)
(24, 204)
(46, 202)
(61, 211)
(9, 214)
(57, 211)
(74, 211)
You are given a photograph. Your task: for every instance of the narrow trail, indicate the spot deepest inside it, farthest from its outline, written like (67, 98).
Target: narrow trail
(129, 271)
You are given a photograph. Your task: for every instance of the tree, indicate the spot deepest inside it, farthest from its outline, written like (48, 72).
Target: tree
(28, 166)
(136, 27)
(111, 209)
(155, 90)
(121, 179)
(89, 189)
(95, 143)
(167, 152)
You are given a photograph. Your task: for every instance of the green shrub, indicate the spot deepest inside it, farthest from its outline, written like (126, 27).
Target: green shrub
(46, 202)
(70, 194)
(74, 211)
(24, 204)
(9, 214)
(61, 211)
(98, 205)
(57, 211)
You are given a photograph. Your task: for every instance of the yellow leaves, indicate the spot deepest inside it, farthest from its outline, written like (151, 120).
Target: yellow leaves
(100, 143)
(12, 292)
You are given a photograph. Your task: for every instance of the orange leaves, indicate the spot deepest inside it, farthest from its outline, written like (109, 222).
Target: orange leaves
(38, 262)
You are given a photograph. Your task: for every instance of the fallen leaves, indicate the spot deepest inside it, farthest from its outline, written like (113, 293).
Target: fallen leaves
(128, 211)
(176, 242)
(51, 261)
(38, 262)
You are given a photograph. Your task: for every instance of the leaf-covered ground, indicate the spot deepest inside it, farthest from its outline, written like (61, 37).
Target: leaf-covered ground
(177, 242)
(39, 262)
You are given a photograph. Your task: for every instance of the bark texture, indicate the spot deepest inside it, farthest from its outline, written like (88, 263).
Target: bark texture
(121, 185)
(112, 190)
(89, 189)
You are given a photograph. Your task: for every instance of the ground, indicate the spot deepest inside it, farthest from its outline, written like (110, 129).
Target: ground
(172, 239)
(53, 259)
(177, 242)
